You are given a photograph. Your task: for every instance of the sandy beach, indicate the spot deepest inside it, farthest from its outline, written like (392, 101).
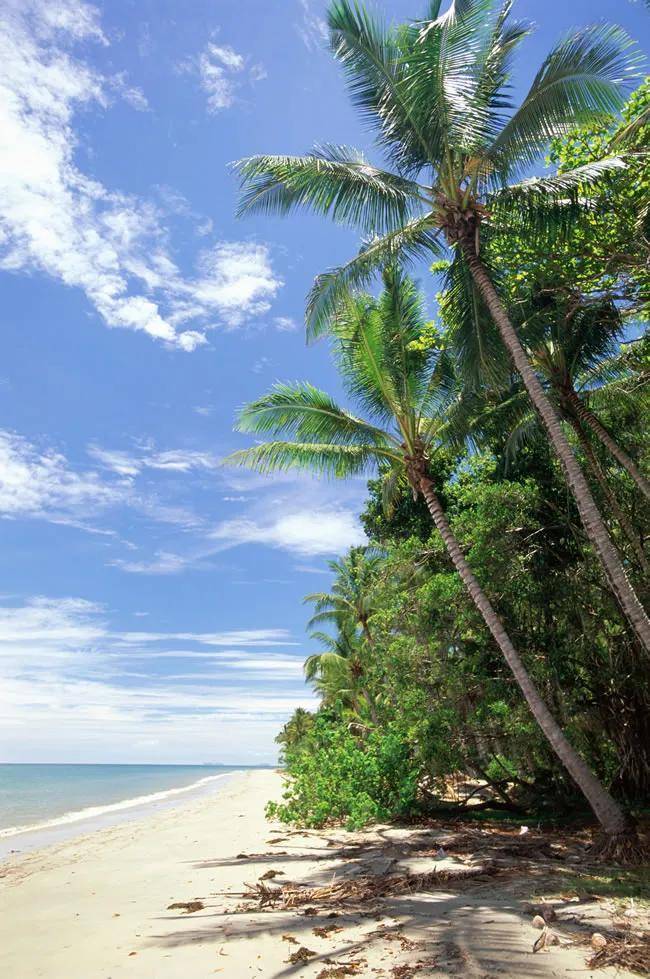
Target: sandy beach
(165, 897)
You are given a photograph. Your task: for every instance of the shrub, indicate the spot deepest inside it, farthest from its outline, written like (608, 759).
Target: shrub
(337, 777)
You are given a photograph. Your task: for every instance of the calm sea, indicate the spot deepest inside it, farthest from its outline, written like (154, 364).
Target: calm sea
(38, 797)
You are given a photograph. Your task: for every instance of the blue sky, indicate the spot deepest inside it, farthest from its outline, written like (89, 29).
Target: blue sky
(151, 601)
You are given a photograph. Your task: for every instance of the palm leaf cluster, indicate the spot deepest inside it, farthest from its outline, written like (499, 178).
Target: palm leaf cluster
(436, 94)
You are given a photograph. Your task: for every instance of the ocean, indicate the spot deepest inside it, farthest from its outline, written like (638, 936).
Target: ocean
(45, 797)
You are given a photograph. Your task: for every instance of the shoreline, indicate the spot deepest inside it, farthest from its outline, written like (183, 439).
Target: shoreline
(70, 825)
(185, 892)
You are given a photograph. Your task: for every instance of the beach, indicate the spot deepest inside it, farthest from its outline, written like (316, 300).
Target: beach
(165, 896)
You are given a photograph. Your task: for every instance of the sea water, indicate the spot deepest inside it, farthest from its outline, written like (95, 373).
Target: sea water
(37, 798)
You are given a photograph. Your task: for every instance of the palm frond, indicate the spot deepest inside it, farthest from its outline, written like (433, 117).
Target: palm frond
(583, 79)
(417, 238)
(548, 208)
(472, 336)
(373, 58)
(339, 461)
(336, 181)
(304, 412)
(524, 433)
(458, 71)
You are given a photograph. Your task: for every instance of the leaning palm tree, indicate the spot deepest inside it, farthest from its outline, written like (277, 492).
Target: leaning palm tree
(403, 390)
(575, 349)
(436, 92)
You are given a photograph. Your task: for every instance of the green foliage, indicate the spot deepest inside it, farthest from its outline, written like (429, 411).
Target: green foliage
(335, 777)
(437, 95)
(415, 696)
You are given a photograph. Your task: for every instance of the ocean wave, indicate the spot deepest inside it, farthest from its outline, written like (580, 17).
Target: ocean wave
(90, 811)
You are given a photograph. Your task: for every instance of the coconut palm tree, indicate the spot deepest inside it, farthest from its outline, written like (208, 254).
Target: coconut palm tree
(574, 346)
(296, 729)
(436, 93)
(337, 670)
(402, 390)
(351, 594)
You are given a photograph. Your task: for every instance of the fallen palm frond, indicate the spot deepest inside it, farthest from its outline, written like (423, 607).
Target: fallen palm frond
(627, 952)
(360, 889)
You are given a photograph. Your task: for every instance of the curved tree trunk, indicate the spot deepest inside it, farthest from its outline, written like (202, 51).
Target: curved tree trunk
(591, 518)
(608, 812)
(588, 418)
(608, 493)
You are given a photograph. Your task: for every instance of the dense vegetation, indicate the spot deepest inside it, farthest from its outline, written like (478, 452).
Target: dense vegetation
(494, 628)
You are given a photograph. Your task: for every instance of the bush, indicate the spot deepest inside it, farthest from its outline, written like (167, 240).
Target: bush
(336, 777)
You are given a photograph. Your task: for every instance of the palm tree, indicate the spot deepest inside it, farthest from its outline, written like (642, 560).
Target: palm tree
(575, 348)
(402, 390)
(436, 93)
(351, 595)
(337, 670)
(296, 729)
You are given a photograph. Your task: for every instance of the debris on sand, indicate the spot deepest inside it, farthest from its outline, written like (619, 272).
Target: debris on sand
(339, 971)
(629, 952)
(547, 938)
(270, 874)
(189, 907)
(302, 955)
(325, 930)
(290, 939)
(361, 889)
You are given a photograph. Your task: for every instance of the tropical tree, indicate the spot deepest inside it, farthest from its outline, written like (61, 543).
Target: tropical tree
(351, 596)
(337, 669)
(403, 390)
(436, 93)
(297, 728)
(573, 343)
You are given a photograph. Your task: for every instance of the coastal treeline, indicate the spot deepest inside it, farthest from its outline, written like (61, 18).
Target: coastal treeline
(493, 632)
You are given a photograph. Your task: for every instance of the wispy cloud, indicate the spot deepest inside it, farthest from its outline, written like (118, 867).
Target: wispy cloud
(69, 688)
(285, 324)
(311, 28)
(59, 221)
(40, 483)
(221, 70)
(217, 65)
(171, 460)
(302, 532)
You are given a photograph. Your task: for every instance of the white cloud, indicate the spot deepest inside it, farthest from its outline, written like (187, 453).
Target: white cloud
(215, 71)
(130, 93)
(311, 28)
(285, 324)
(57, 220)
(41, 483)
(304, 532)
(163, 562)
(172, 460)
(68, 691)
(220, 70)
(260, 364)
(36, 483)
(235, 278)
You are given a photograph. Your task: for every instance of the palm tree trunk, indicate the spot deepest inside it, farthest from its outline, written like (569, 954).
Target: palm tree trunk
(601, 479)
(608, 812)
(371, 705)
(591, 518)
(588, 418)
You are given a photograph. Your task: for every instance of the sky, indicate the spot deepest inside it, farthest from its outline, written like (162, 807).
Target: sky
(150, 598)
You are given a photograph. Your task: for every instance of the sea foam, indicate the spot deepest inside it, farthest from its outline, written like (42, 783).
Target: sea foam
(92, 811)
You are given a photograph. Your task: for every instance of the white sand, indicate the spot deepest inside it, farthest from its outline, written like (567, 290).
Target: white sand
(97, 907)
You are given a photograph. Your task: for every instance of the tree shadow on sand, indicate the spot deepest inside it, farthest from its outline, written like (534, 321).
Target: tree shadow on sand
(428, 901)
